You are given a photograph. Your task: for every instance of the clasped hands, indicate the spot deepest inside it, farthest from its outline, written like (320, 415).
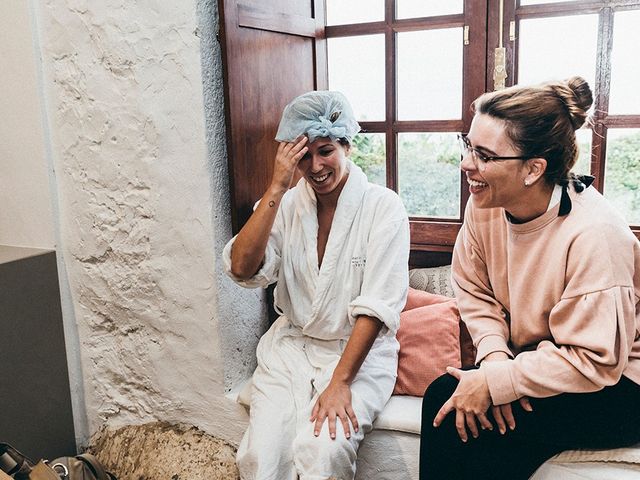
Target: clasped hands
(471, 401)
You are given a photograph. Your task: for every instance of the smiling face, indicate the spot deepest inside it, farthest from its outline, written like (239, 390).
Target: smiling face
(324, 166)
(495, 183)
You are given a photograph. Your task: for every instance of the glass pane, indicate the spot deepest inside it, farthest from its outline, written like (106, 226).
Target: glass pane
(368, 152)
(340, 12)
(622, 173)
(356, 68)
(429, 174)
(420, 8)
(624, 63)
(430, 74)
(583, 165)
(537, 2)
(557, 48)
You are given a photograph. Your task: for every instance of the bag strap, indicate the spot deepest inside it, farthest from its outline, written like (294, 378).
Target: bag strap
(13, 463)
(95, 466)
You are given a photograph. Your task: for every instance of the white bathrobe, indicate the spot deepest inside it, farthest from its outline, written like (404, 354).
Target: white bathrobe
(363, 272)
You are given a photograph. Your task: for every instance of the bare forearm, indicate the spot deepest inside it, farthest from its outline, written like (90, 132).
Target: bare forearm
(364, 334)
(250, 245)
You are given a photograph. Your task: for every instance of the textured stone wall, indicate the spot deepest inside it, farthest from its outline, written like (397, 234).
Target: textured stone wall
(135, 108)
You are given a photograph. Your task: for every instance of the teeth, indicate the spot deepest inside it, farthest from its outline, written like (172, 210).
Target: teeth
(475, 183)
(321, 178)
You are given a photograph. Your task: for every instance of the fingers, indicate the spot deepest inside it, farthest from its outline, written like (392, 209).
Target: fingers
(484, 421)
(345, 426)
(526, 404)
(507, 413)
(320, 418)
(470, 419)
(353, 418)
(314, 411)
(460, 425)
(443, 412)
(497, 416)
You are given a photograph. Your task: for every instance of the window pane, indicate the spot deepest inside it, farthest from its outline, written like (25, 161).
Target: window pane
(420, 8)
(583, 165)
(558, 48)
(356, 68)
(430, 74)
(622, 174)
(429, 174)
(368, 152)
(340, 12)
(624, 63)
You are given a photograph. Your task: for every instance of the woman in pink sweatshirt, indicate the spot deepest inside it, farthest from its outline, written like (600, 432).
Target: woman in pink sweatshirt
(547, 277)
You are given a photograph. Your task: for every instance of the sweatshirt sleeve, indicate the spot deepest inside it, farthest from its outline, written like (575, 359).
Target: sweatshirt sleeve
(483, 315)
(593, 327)
(386, 277)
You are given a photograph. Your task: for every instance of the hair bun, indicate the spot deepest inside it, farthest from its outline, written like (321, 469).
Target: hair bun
(581, 101)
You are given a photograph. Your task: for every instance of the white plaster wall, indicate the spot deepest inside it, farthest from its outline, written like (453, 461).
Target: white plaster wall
(143, 206)
(26, 217)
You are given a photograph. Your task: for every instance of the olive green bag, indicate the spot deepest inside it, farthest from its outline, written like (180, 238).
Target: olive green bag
(15, 466)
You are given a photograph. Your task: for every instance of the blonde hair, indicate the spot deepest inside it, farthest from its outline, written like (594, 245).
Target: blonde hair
(541, 120)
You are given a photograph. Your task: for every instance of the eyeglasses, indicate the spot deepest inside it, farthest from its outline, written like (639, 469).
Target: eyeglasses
(479, 157)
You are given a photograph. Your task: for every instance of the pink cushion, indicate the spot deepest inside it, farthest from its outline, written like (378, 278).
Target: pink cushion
(429, 337)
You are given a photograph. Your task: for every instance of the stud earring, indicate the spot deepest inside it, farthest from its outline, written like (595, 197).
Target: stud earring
(527, 183)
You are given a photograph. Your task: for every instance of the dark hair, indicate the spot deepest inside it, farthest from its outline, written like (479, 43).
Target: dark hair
(541, 120)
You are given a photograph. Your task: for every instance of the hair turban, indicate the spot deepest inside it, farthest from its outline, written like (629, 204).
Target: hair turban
(318, 114)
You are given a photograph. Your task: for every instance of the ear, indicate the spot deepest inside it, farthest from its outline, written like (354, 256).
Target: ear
(535, 168)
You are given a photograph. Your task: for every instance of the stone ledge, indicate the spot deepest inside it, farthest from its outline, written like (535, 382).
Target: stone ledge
(162, 451)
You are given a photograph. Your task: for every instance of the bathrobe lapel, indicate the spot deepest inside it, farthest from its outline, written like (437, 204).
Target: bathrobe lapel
(348, 205)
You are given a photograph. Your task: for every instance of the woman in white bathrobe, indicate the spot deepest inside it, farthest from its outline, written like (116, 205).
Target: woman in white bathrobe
(338, 248)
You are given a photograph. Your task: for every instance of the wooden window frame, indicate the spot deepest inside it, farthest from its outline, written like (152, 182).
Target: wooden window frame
(483, 20)
(427, 234)
(602, 120)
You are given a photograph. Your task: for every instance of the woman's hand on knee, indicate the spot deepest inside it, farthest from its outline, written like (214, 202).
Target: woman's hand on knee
(503, 414)
(333, 404)
(470, 400)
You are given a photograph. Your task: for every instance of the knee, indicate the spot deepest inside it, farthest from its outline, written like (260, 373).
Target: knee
(437, 394)
(322, 457)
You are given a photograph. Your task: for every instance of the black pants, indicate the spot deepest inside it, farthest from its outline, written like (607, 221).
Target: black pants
(608, 418)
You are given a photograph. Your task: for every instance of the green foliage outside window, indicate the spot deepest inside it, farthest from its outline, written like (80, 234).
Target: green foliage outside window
(429, 171)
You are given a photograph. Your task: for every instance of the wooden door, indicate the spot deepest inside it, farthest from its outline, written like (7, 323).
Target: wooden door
(272, 52)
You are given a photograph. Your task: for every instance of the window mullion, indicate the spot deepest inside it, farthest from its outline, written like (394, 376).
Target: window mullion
(601, 100)
(390, 96)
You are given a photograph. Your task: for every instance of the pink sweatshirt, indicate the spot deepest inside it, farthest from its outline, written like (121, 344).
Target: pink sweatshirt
(559, 295)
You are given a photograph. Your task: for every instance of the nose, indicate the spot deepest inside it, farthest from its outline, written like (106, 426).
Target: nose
(316, 163)
(467, 163)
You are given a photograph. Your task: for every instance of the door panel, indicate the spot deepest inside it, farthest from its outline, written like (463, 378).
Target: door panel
(270, 55)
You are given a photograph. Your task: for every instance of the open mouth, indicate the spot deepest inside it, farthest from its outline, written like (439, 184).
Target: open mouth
(476, 186)
(320, 179)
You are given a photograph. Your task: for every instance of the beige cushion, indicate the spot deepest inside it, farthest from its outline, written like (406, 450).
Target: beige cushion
(433, 280)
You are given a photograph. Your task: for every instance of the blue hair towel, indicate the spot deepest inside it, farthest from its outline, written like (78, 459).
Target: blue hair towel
(318, 114)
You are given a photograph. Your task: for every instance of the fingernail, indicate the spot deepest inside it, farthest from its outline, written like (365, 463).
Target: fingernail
(348, 436)
(503, 430)
(333, 435)
(464, 440)
(512, 427)
(315, 433)
(435, 424)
